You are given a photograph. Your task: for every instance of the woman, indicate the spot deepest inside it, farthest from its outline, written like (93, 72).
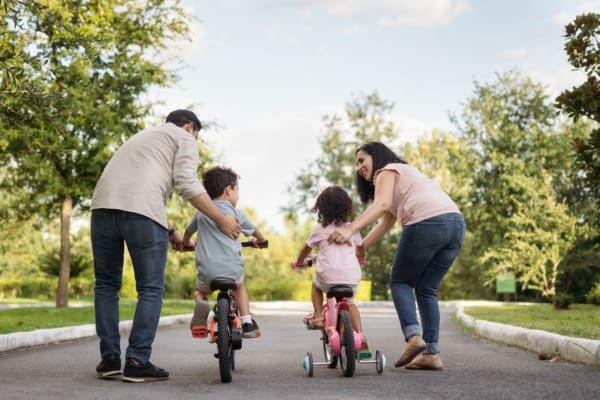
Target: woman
(432, 236)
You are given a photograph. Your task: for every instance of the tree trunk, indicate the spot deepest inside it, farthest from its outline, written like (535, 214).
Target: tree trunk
(62, 293)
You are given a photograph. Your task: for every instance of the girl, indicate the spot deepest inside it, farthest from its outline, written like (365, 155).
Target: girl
(432, 236)
(337, 263)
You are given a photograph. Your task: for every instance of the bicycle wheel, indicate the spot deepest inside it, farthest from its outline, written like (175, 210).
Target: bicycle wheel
(347, 353)
(224, 340)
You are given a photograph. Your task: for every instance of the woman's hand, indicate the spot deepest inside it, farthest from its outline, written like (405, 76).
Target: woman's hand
(341, 235)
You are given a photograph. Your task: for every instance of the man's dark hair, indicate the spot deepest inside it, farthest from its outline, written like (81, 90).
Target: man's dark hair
(182, 117)
(216, 179)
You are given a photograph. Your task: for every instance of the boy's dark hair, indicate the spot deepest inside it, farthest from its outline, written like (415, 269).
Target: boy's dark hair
(216, 179)
(333, 205)
(382, 156)
(182, 117)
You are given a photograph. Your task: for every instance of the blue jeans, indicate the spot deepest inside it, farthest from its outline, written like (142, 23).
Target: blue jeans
(425, 252)
(147, 242)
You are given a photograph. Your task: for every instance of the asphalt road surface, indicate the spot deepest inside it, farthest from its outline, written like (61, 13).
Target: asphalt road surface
(271, 368)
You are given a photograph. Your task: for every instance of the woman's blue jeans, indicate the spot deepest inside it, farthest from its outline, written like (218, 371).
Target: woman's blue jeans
(425, 252)
(147, 242)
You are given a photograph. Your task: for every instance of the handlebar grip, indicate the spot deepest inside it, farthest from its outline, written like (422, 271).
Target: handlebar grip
(259, 245)
(309, 263)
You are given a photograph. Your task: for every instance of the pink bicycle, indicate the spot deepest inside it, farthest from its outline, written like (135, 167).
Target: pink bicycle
(341, 343)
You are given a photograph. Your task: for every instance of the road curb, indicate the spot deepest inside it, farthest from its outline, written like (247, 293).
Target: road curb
(39, 337)
(546, 344)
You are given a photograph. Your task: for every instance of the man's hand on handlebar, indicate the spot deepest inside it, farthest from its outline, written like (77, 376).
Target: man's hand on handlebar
(176, 241)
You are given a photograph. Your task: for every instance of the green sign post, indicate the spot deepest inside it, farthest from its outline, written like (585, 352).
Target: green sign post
(506, 284)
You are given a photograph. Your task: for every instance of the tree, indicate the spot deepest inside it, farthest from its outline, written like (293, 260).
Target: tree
(510, 129)
(583, 52)
(542, 233)
(71, 74)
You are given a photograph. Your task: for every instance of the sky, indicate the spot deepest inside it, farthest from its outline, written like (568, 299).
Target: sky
(267, 71)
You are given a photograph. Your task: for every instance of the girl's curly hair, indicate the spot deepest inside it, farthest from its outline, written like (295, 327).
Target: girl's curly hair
(333, 205)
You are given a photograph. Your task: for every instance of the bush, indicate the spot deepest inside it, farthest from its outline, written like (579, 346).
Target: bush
(28, 287)
(562, 301)
(593, 296)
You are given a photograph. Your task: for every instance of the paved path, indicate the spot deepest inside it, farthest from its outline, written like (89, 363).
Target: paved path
(270, 368)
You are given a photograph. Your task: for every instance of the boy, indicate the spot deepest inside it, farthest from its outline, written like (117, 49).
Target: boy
(217, 255)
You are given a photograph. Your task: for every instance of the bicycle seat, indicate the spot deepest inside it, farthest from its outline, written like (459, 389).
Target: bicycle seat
(222, 284)
(339, 292)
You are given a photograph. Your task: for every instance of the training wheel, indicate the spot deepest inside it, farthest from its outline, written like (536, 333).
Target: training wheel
(379, 362)
(308, 364)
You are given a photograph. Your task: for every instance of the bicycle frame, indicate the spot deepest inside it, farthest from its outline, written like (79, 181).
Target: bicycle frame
(331, 311)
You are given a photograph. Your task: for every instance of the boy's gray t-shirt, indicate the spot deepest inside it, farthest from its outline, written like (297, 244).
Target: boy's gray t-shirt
(217, 255)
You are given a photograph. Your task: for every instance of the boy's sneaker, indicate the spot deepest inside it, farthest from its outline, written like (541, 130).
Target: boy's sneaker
(198, 322)
(250, 330)
(109, 367)
(135, 371)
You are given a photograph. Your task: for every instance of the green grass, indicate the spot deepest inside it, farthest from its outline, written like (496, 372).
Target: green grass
(580, 320)
(31, 318)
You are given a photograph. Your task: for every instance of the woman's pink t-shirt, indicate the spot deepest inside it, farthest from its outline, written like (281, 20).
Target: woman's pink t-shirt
(416, 197)
(336, 263)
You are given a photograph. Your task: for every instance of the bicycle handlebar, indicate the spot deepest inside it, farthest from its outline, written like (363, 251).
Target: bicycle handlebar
(249, 243)
(313, 260)
(259, 245)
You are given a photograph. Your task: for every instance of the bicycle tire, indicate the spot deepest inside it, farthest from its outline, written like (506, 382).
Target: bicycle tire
(347, 353)
(224, 340)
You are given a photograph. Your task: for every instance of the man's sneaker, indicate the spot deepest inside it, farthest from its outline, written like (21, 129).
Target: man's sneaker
(135, 371)
(250, 330)
(109, 367)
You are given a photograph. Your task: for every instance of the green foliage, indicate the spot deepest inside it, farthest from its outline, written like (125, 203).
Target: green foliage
(80, 263)
(593, 296)
(541, 235)
(562, 301)
(583, 52)
(508, 126)
(520, 163)
(71, 74)
(83, 57)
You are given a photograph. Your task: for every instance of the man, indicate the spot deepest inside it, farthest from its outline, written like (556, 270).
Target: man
(129, 206)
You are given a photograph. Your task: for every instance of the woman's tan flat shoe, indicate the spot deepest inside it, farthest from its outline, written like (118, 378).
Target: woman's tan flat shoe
(414, 346)
(426, 361)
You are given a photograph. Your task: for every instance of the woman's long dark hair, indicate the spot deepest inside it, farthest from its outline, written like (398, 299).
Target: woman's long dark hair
(382, 156)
